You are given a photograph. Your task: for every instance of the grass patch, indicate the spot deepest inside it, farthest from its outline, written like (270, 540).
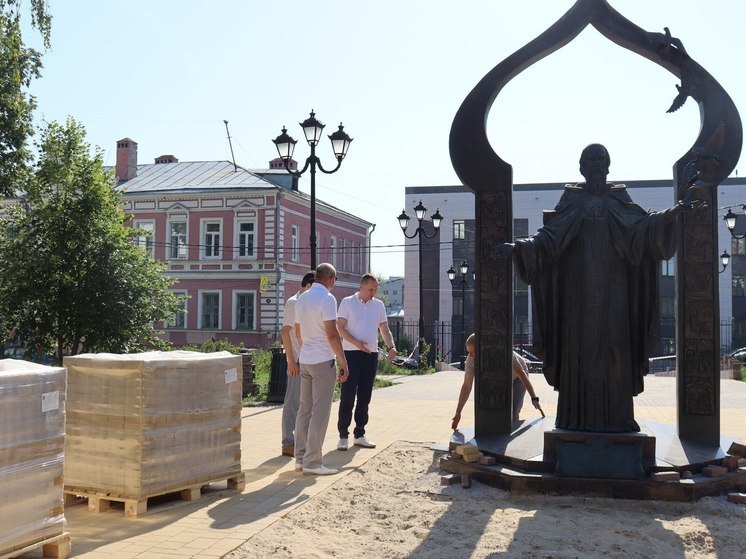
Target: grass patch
(382, 383)
(385, 367)
(262, 372)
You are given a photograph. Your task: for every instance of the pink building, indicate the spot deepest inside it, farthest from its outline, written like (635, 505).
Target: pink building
(236, 241)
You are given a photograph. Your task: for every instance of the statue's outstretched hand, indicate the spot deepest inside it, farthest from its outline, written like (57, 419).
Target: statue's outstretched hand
(505, 250)
(694, 198)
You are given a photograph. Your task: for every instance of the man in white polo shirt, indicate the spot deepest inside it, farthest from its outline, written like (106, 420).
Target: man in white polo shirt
(316, 329)
(361, 316)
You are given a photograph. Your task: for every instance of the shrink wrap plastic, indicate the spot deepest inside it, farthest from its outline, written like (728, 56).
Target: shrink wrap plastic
(32, 440)
(145, 424)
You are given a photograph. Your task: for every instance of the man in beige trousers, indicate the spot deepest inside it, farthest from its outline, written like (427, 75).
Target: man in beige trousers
(316, 329)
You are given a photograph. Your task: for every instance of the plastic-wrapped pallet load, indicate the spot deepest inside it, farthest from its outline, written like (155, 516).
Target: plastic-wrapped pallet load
(146, 424)
(32, 440)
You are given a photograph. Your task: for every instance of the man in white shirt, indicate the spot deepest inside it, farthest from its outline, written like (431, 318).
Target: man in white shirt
(292, 352)
(316, 328)
(361, 317)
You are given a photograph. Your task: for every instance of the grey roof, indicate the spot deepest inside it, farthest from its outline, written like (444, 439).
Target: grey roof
(191, 175)
(203, 176)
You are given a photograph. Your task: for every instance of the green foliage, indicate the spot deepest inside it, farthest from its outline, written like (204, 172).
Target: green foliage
(41, 20)
(380, 294)
(404, 345)
(424, 365)
(19, 66)
(213, 345)
(382, 383)
(71, 277)
(262, 360)
(386, 367)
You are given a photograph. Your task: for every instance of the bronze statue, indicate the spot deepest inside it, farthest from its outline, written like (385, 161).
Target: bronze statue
(594, 269)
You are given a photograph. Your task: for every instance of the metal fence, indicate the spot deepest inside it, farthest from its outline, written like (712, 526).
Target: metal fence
(437, 334)
(447, 343)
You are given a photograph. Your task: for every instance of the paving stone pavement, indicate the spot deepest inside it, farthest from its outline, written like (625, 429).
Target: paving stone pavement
(416, 408)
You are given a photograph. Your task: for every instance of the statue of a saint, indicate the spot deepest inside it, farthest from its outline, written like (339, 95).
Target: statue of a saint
(594, 269)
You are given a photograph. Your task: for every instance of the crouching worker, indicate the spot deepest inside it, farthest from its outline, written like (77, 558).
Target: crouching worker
(521, 383)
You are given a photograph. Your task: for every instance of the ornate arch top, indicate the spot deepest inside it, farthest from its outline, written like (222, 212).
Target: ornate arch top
(714, 153)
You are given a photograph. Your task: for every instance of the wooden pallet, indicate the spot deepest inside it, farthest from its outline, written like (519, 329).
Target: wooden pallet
(134, 507)
(56, 546)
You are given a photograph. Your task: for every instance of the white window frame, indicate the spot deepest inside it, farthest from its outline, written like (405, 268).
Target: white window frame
(208, 250)
(459, 229)
(668, 267)
(237, 239)
(333, 251)
(360, 258)
(171, 222)
(342, 259)
(202, 293)
(146, 241)
(236, 294)
(183, 296)
(294, 244)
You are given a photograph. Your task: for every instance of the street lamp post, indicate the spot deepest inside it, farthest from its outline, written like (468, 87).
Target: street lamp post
(463, 283)
(724, 260)
(419, 212)
(312, 129)
(730, 222)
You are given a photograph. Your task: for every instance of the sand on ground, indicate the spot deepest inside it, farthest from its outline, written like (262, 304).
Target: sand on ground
(395, 507)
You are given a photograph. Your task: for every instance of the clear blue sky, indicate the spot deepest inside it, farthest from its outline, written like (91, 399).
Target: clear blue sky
(168, 72)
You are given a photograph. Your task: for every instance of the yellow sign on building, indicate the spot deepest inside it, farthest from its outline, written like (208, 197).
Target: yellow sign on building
(264, 284)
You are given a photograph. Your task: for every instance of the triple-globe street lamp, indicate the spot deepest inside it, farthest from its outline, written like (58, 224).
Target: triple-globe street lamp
(463, 283)
(419, 212)
(730, 222)
(312, 129)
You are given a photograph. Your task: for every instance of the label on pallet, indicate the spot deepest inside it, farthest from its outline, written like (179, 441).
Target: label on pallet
(231, 375)
(50, 401)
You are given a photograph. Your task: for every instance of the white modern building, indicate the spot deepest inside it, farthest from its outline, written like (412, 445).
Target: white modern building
(455, 244)
(393, 291)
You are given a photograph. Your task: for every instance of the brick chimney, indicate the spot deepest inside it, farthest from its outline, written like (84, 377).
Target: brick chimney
(126, 159)
(166, 159)
(277, 163)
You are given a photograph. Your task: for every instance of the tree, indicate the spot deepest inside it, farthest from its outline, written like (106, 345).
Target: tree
(379, 294)
(71, 276)
(19, 65)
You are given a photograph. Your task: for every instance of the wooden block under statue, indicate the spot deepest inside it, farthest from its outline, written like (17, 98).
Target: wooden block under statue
(599, 455)
(145, 424)
(32, 441)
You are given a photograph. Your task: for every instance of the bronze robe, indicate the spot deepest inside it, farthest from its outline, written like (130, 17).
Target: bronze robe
(594, 271)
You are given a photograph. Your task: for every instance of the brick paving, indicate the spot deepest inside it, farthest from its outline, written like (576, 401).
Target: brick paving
(416, 409)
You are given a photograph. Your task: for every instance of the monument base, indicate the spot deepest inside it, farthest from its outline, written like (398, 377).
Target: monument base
(528, 461)
(599, 455)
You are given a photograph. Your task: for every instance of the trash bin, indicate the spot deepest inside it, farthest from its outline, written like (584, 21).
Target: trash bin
(278, 375)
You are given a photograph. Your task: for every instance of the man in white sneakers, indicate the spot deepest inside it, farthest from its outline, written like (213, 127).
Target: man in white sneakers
(316, 329)
(361, 317)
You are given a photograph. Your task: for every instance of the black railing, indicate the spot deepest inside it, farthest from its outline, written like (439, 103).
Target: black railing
(446, 343)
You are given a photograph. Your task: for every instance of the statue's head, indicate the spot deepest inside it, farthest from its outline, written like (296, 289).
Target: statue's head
(594, 163)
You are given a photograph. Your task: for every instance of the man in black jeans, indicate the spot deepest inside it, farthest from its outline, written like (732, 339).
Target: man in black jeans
(359, 319)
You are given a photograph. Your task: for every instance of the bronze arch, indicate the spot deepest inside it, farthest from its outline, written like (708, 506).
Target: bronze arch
(714, 155)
